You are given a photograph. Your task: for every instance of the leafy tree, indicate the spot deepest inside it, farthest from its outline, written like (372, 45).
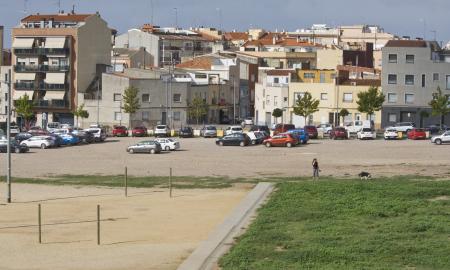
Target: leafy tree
(80, 112)
(370, 101)
(277, 113)
(306, 105)
(343, 113)
(130, 101)
(24, 109)
(440, 104)
(197, 109)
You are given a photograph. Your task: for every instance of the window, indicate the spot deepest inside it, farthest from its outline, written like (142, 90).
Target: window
(409, 79)
(117, 116)
(435, 76)
(145, 98)
(423, 80)
(285, 99)
(267, 99)
(117, 97)
(447, 82)
(392, 79)
(176, 97)
(275, 101)
(392, 98)
(409, 98)
(145, 116)
(201, 76)
(392, 58)
(392, 117)
(298, 95)
(324, 96)
(410, 58)
(348, 97)
(309, 76)
(276, 80)
(176, 116)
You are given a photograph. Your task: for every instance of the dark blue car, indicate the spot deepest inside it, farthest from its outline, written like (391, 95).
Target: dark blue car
(299, 134)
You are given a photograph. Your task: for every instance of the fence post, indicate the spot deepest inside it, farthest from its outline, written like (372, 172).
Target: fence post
(98, 224)
(126, 181)
(40, 223)
(170, 183)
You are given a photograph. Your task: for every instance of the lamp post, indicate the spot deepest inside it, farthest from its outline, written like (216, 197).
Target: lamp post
(98, 102)
(8, 138)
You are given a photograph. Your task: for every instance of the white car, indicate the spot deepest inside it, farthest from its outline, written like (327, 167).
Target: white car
(325, 128)
(440, 139)
(390, 134)
(354, 127)
(168, 144)
(99, 134)
(162, 131)
(366, 133)
(39, 142)
(404, 126)
(14, 129)
(234, 130)
(247, 122)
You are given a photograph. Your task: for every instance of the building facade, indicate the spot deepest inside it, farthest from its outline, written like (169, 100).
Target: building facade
(1, 45)
(4, 78)
(412, 72)
(55, 59)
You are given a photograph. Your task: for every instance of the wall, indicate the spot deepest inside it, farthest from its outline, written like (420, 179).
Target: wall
(329, 58)
(136, 38)
(265, 103)
(1, 45)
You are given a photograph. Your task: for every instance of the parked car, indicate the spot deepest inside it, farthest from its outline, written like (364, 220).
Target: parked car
(162, 131)
(247, 122)
(57, 140)
(256, 137)
(151, 147)
(240, 139)
(99, 133)
(23, 136)
(233, 130)
(366, 133)
(390, 134)
(16, 147)
(83, 135)
(208, 131)
(53, 125)
(264, 129)
(312, 132)
(69, 139)
(37, 131)
(120, 131)
(186, 132)
(404, 126)
(325, 128)
(354, 126)
(440, 139)
(282, 139)
(281, 128)
(168, 144)
(435, 129)
(14, 130)
(67, 126)
(339, 133)
(299, 134)
(139, 131)
(39, 142)
(417, 134)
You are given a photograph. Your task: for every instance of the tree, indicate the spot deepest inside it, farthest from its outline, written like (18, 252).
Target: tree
(130, 101)
(197, 109)
(370, 101)
(24, 109)
(277, 113)
(80, 112)
(306, 105)
(343, 113)
(440, 104)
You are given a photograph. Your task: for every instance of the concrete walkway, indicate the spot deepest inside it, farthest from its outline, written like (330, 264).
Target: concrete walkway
(205, 257)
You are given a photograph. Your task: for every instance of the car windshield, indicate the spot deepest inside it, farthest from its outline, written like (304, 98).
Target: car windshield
(366, 130)
(236, 129)
(160, 127)
(420, 130)
(391, 130)
(211, 128)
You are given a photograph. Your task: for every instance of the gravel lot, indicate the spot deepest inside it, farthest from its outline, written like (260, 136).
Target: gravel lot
(201, 157)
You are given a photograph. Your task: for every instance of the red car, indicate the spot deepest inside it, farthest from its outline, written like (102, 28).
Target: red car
(37, 131)
(417, 134)
(312, 132)
(139, 132)
(120, 131)
(282, 139)
(338, 133)
(280, 128)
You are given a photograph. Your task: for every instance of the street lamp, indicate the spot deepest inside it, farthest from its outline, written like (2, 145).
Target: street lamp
(8, 138)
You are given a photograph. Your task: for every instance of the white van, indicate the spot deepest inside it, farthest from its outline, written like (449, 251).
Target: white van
(51, 126)
(354, 126)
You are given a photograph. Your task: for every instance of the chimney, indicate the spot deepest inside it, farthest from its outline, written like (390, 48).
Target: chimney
(274, 40)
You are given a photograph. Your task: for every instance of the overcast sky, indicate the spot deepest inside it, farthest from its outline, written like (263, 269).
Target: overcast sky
(401, 17)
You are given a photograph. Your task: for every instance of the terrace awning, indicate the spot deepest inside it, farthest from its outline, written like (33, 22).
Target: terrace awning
(50, 95)
(23, 43)
(19, 93)
(55, 42)
(55, 78)
(24, 76)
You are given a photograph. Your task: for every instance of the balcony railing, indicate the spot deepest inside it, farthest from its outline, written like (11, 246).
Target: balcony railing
(42, 51)
(57, 104)
(40, 68)
(40, 86)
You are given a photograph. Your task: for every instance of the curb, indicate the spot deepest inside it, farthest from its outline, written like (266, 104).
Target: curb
(205, 256)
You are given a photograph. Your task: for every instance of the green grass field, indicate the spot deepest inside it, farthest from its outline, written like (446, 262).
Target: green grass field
(349, 224)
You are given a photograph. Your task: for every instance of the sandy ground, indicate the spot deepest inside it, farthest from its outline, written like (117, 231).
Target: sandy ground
(147, 230)
(201, 157)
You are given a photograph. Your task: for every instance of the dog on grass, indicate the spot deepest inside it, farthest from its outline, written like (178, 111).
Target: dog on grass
(364, 175)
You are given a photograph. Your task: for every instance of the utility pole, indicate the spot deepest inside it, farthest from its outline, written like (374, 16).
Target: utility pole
(234, 102)
(98, 101)
(176, 17)
(8, 138)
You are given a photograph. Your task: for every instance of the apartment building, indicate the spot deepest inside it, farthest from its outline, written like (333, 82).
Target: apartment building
(56, 58)
(168, 46)
(123, 58)
(412, 71)
(1, 45)
(4, 73)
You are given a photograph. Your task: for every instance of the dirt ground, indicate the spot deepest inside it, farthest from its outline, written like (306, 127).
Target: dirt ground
(147, 230)
(201, 157)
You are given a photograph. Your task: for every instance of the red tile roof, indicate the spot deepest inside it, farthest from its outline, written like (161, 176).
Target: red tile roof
(288, 42)
(57, 17)
(236, 36)
(202, 62)
(406, 43)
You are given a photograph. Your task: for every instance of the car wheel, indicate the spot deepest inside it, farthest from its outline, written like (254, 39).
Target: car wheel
(221, 143)
(438, 141)
(242, 143)
(289, 145)
(268, 144)
(253, 142)
(43, 146)
(152, 151)
(167, 148)
(131, 151)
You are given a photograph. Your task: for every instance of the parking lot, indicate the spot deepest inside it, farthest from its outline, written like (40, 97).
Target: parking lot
(201, 157)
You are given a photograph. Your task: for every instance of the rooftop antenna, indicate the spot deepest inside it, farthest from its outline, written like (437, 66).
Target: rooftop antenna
(73, 9)
(434, 34)
(176, 17)
(25, 6)
(152, 7)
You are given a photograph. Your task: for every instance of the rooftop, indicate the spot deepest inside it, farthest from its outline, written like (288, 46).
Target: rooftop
(406, 43)
(66, 17)
(236, 36)
(279, 72)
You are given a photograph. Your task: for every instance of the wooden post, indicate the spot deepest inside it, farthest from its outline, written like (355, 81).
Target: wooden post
(98, 224)
(40, 223)
(170, 183)
(126, 182)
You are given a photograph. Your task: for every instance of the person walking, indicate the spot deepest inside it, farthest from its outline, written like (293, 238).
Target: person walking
(315, 165)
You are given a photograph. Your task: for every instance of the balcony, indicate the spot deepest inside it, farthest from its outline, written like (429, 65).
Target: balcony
(40, 86)
(42, 51)
(40, 68)
(55, 104)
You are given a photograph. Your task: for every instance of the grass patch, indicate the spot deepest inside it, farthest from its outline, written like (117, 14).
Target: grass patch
(391, 223)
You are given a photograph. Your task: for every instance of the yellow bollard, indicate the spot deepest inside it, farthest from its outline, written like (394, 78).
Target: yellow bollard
(220, 133)
(400, 134)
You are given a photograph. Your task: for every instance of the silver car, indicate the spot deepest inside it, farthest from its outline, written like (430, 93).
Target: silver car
(209, 131)
(151, 147)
